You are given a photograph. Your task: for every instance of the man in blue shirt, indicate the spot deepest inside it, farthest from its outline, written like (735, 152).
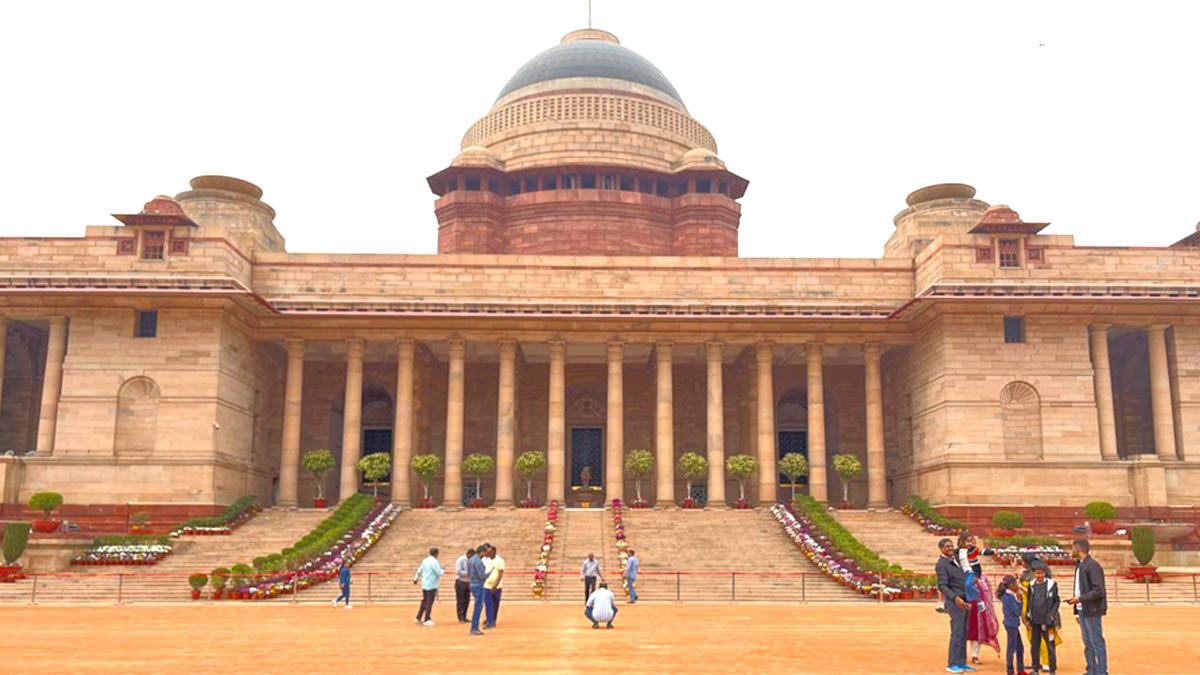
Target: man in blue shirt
(477, 574)
(428, 575)
(631, 573)
(344, 581)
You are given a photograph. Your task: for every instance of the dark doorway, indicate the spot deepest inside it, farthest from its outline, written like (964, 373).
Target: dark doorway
(587, 451)
(377, 440)
(792, 441)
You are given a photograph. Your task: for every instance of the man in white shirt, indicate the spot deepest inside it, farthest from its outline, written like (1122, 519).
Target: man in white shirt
(601, 606)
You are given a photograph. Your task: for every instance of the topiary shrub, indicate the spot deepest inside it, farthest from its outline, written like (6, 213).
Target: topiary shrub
(219, 577)
(1143, 544)
(318, 463)
(1008, 520)
(1100, 511)
(197, 581)
(241, 574)
(426, 468)
(45, 502)
(529, 465)
(375, 467)
(639, 463)
(16, 537)
(741, 467)
(692, 465)
(478, 465)
(793, 465)
(848, 467)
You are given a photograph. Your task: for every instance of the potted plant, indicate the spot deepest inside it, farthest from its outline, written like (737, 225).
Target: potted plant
(1143, 551)
(1100, 517)
(741, 467)
(319, 463)
(847, 467)
(139, 520)
(16, 537)
(529, 465)
(1007, 523)
(242, 573)
(218, 578)
(793, 465)
(639, 463)
(426, 468)
(375, 467)
(692, 465)
(478, 465)
(45, 502)
(197, 582)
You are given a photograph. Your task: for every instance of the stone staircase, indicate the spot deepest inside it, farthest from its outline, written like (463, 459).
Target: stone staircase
(385, 574)
(266, 533)
(721, 555)
(580, 532)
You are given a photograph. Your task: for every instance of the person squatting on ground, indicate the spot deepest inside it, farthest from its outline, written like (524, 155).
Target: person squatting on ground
(982, 626)
(1009, 595)
(344, 583)
(588, 573)
(429, 574)
(462, 585)
(1042, 614)
(1090, 604)
(952, 584)
(601, 606)
(476, 575)
(494, 585)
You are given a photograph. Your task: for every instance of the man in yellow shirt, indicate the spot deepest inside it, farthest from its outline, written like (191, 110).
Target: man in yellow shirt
(494, 586)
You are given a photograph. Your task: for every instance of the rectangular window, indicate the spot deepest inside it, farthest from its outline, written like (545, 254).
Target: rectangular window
(608, 183)
(1010, 253)
(152, 245)
(703, 185)
(147, 325)
(452, 185)
(473, 183)
(589, 181)
(531, 184)
(723, 188)
(568, 181)
(550, 182)
(514, 187)
(983, 254)
(1035, 254)
(1014, 329)
(493, 186)
(627, 184)
(660, 188)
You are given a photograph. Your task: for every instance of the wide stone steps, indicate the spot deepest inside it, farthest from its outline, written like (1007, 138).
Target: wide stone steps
(580, 532)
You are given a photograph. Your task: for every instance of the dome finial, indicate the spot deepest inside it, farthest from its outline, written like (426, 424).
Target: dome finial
(590, 33)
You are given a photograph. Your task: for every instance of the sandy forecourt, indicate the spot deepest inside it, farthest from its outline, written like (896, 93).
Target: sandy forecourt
(536, 637)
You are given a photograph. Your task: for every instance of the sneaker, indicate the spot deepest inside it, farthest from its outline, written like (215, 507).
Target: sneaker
(349, 606)
(476, 632)
(595, 625)
(333, 602)
(967, 669)
(429, 622)
(954, 669)
(417, 621)
(939, 609)
(608, 625)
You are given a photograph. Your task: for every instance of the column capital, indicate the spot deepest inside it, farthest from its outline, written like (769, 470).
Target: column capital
(1157, 327)
(405, 342)
(354, 345)
(615, 345)
(294, 344)
(57, 319)
(872, 350)
(457, 344)
(558, 347)
(1097, 327)
(714, 349)
(664, 349)
(764, 348)
(508, 347)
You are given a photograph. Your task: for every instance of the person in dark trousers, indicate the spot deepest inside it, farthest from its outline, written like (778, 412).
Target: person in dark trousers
(344, 582)
(1042, 614)
(476, 575)
(1090, 604)
(952, 582)
(589, 573)
(429, 574)
(462, 584)
(1009, 596)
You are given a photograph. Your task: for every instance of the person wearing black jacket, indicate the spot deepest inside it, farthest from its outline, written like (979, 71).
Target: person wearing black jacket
(952, 582)
(1091, 604)
(1042, 614)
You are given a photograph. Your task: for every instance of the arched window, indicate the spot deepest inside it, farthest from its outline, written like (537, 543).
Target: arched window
(137, 417)
(1021, 412)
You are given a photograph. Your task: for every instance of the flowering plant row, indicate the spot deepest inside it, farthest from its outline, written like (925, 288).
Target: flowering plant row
(125, 550)
(927, 517)
(540, 570)
(622, 542)
(226, 522)
(1052, 555)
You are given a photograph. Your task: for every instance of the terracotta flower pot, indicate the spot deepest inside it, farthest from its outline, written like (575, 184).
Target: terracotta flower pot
(1104, 527)
(319, 503)
(998, 532)
(45, 525)
(195, 594)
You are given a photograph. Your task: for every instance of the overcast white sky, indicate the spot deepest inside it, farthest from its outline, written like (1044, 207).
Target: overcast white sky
(1084, 114)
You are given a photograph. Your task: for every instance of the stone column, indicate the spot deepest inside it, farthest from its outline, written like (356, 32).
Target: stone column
(352, 419)
(506, 423)
(402, 430)
(452, 490)
(56, 351)
(289, 460)
(664, 443)
(614, 444)
(1160, 393)
(876, 460)
(1102, 379)
(716, 425)
(3, 347)
(556, 432)
(817, 486)
(764, 353)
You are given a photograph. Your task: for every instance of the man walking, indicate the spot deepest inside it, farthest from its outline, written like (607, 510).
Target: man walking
(476, 576)
(601, 606)
(462, 584)
(494, 586)
(588, 573)
(952, 582)
(631, 574)
(429, 574)
(1091, 604)
(344, 582)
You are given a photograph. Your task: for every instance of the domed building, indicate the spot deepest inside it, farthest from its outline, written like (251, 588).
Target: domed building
(586, 299)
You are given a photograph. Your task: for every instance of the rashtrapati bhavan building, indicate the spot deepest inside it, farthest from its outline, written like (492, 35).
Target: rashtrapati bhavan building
(587, 298)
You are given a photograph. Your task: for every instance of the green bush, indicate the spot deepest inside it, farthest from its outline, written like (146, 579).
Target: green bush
(219, 577)
(197, 581)
(45, 501)
(426, 468)
(374, 467)
(140, 518)
(227, 516)
(926, 511)
(793, 465)
(1143, 544)
(741, 467)
(1008, 520)
(692, 465)
(242, 574)
(1100, 511)
(16, 537)
(131, 540)
(1021, 541)
(477, 465)
(529, 465)
(848, 467)
(842, 540)
(318, 463)
(260, 563)
(639, 463)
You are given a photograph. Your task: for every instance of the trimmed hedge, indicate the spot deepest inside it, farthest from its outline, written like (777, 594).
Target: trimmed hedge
(1100, 511)
(1008, 520)
(1021, 542)
(842, 540)
(131, 540)
(16, 537)
(928, 512)
(229, 515)
(1143, 544)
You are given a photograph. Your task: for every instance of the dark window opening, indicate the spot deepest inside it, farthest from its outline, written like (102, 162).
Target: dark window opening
(568, 181)
(514, 187)
(550, 182)
(589, 181)
(493, 186)
(608, 182)
(704, 185)
(473, 183)
(983, 254)
(1014, 329)
(531, 184)
(645, 186)
(1034, 254)
(723, 188)
(152, 245)
(627, 184)
(1010, 253)
(147, 325)
(452, 186)
(681, 189)
(660, 188)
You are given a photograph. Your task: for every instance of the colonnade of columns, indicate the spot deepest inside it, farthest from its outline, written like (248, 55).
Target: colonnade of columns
(664, 445)
(1161, 404)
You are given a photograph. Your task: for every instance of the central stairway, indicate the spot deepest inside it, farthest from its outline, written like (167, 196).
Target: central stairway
(580, 532)
(894, 536)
